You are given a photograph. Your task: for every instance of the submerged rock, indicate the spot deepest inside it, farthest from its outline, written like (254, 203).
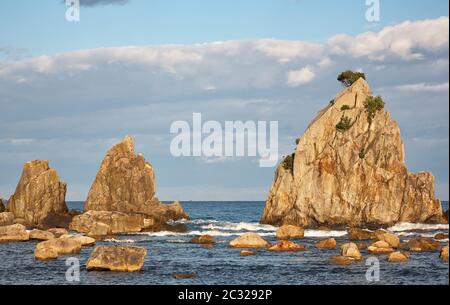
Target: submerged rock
(441, 236)
(38, 194)
(349, 169)
(249, 240)
(286, 245)
(114, 258)
(15, 232)
(52, 248)
(126, 183)
(203, 239)
(184, 275)
(422, 244)
(290, 232)
(398, 257)
(380, 247)
(248, 253)
(342, 260)
(326, 244)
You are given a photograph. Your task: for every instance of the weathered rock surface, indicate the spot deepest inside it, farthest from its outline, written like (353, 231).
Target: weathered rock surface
(422, 244)
(15, 232)
(58, 232)
(290, 232)
(6, 219)
(444, 254)
(126, 259)
(126, 183)
(342, 260)
(2, 206)
(359, 234)
(249, 240)
(203, 239)
(52, 248)
(350, 176)
(85, 241)
(350, 250)
(98, 223)
(55, 221)
(380, 247)
(392, 240)
(41, 235)
(39, 193)
(398, 257)
(441, 236)
(326, 244)
(286, 245)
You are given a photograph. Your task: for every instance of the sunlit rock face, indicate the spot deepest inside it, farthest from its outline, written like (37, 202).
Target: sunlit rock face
(350, 176)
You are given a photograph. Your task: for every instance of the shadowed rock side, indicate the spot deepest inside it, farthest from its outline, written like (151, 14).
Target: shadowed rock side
(38, 194)
(2, 206)
(351, 176)
(126, 183)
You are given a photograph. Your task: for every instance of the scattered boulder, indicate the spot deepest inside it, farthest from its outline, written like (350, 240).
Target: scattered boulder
(126, 183)
(6, 219)
(247, 253)
(117, 223)
(444, 254)
(286, 245)
(58, 232)
(38, 194)
(290, 232)
(41, 235)
(249, 240)
(116, 258)
(203, 239)
(52, 248)
(350, 250)
(15, 232)
(398, 257)
(422, 244)
(326, 244)
(392, 239)
(349, 169)
(342, 260)
(441, 236)
(380, 247)
(359, 234)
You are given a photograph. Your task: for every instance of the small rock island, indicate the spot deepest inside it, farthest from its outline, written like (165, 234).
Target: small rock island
(349, 169)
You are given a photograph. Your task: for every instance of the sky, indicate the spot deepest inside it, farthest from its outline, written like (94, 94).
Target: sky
(70, 90)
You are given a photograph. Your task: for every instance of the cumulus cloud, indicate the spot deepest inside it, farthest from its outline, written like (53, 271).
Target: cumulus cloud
(300, 77)
(70, 107)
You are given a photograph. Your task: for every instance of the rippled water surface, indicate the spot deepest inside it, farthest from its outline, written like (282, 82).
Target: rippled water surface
(170, 253)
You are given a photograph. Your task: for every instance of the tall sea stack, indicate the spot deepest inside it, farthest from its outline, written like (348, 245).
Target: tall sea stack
(349, 169)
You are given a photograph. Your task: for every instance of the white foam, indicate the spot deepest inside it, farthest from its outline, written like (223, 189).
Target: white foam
(113, 240)
(241, 226)
(198, 233)
(405, 226)
(324, 233)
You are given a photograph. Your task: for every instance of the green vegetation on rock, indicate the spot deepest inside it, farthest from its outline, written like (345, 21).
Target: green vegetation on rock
(373, 105)
(348, 78)
(344, 124)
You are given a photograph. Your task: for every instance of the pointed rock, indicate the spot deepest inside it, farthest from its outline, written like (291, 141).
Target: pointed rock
(38, 194)
(126, 183)
(349, 169)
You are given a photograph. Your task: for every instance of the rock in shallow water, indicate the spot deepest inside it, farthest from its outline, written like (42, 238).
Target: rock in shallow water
(290, 232)
(380, 247)
(326, 244)
(98, 223)
(354, 176)
(286, 245)
(398, 257)
(203, 239)
(41, 235)
(350, 250)
(444, 254)
(422, 244)
(15, 232)
(249, 240)
(52, 248)
(116, 258)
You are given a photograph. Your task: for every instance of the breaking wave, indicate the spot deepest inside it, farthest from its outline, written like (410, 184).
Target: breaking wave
(405, 226)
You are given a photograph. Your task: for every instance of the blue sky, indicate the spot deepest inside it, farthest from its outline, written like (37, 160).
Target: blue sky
(68, 91)
(40, 27)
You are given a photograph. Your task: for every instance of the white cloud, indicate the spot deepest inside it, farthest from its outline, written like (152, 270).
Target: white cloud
(300, 77)
(423, 87)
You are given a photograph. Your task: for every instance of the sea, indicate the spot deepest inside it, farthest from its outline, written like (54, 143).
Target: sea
(170, 253)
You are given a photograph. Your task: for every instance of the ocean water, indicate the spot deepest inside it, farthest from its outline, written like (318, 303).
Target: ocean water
(170, 253)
